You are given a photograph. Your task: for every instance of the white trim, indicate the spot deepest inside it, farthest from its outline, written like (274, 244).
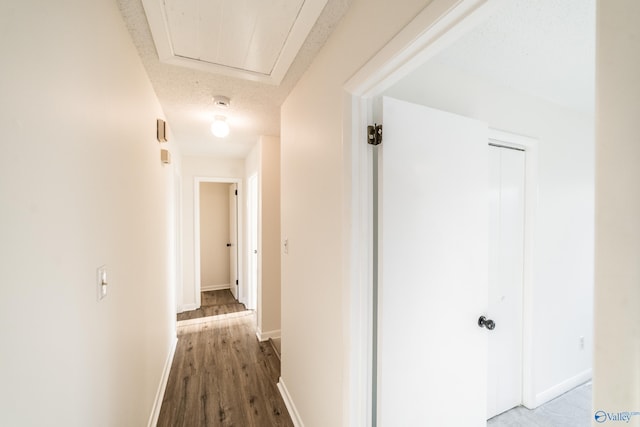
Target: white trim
(157, 403)
(358, 272)
(561, 388)
(188, 307)
(302, 26)
(306, 19)
(513, 139)
(179, 294)
(196, 232)
(214, 287)
(253, 231)
(264, 336)
(530, 147)
(288, 402)
(437, 26)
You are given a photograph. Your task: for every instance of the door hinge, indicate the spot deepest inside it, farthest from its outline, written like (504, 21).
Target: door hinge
(236, 192)
(374, 134)
(236, 282)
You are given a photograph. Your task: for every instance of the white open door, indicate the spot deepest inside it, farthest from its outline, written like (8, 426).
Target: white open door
(433, 258)
(233, 239)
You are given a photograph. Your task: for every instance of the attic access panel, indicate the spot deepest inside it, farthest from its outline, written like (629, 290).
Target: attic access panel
(250, 39)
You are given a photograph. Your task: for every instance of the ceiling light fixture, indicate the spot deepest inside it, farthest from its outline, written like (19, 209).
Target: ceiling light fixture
(219, 127)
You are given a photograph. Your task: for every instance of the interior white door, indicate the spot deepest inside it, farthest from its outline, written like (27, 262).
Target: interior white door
(506, 268)
(233, 239)
(432, 268)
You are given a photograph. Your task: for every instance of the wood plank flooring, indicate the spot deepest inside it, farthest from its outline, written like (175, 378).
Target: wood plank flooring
(277, 345)
(213, 303)
(222, 376)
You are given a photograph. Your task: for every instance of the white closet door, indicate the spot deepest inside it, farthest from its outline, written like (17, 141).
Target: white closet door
(433, 231)
(506, 266)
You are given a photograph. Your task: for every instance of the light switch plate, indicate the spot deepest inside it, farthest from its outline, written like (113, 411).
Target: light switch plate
(101, 283)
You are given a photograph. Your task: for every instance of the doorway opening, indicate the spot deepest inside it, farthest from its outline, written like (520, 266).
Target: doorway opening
(218, 237)
(420, 41)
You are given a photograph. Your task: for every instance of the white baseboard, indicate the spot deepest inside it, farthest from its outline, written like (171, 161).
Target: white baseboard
(157, 404)
(563, 387)
(288, 402)
(188, 307)
(264, 336)
(214, 287)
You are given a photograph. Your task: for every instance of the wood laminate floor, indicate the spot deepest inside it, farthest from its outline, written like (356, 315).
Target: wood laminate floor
(222, 376)
(277, 345)
(213, 303)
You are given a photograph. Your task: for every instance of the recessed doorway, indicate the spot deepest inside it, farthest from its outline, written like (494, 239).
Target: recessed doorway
(217, 236)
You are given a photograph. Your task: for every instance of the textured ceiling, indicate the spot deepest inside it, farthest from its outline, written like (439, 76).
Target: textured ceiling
(186, 94)
(544, 48)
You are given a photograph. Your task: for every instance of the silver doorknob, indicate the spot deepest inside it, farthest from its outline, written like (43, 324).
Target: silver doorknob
(483, 322)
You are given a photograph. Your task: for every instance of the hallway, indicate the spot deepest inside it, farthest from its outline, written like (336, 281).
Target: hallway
(222, 376)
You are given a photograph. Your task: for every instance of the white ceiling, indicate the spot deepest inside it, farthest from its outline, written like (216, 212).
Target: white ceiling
(186, 93)
(545, 48)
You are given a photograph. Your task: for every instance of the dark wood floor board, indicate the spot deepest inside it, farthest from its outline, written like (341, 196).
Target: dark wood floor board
(223, 296)
(277, 345)
(184, 370)
(222, 376)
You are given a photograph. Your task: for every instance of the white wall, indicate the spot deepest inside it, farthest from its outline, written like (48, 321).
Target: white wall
(269, 237)
(617, 287)
(251, 162)
(81, 185)
(214, 235)
(193, 167)
(251, 167)
(564, 231)
(315, 201)
(264, 160)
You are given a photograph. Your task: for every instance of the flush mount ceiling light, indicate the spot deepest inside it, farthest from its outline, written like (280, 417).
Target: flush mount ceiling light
(219, 127)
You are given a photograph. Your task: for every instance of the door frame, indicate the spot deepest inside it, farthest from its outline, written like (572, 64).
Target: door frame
(433, 29)
(253, 231)
(179, 290)
(196, 234)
